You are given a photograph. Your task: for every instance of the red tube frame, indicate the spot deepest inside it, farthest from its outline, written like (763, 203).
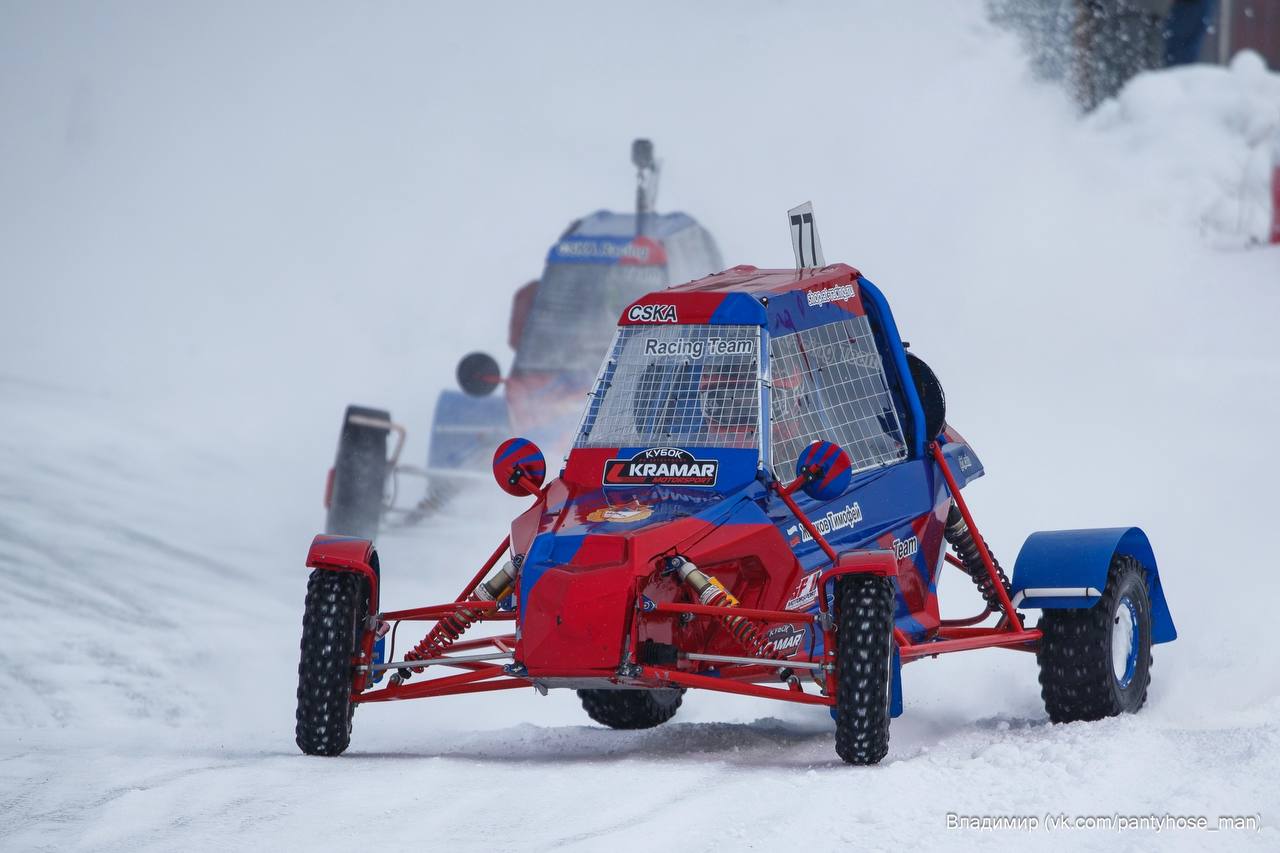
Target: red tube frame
(724, 684)
(953, 636)
(954, 488)
(746, 612)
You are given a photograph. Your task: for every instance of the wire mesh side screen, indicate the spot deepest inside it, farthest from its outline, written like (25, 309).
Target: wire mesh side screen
(829, 383)
(688, 386)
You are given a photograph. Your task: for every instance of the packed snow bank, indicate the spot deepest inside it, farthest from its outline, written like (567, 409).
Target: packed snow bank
(1202, 138)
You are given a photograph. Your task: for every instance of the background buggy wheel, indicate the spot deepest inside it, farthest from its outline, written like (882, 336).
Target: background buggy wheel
(864, 662)
(337, 603)
(1096, 663)
(631, 709)
(359, 476)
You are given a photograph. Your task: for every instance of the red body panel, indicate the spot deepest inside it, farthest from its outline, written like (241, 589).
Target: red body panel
(346, 554)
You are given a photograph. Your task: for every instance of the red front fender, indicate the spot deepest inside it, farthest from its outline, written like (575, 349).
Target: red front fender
(882, 563)
(347, 554)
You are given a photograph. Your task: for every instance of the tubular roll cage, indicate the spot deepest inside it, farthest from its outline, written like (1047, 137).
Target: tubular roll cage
(737, 675)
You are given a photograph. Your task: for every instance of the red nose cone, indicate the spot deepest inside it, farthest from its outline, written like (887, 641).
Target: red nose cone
(576, 619)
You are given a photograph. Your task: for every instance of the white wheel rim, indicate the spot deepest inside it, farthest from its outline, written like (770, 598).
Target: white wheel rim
(1124, 642)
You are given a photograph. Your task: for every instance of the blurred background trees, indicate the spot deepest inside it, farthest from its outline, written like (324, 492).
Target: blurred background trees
(1098, 45)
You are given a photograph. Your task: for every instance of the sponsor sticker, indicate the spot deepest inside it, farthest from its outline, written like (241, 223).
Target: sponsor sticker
(621, 514)
(838, 293)
(903, 548)
(834, 520)
(661, 466)
(697, 348)
(786, 639)
(658, 313)
(804, 594)
(845, 352)
(606, 250)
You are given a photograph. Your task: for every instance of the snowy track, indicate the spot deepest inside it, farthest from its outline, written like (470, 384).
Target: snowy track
(170, 392)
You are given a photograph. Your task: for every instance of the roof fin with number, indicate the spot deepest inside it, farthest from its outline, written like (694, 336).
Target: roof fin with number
(804, 237)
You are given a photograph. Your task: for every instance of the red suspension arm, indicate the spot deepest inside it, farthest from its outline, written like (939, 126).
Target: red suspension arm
(484, 570)
(954, 488)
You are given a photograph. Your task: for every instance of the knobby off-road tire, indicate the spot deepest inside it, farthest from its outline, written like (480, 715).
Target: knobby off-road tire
(359, 477)
(1089, 666)
(864, 657)
(337, 603)
(631, 709)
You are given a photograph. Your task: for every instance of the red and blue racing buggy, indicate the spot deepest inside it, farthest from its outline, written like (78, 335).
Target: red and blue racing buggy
(559, 329)
(760, 499)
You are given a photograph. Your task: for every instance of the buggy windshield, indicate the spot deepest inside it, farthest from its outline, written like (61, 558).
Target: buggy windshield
(691, 386)
(575, 310)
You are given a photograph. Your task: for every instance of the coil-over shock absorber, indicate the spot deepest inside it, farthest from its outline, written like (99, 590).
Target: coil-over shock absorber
(960, 537)
(451, 627)
(713, 594)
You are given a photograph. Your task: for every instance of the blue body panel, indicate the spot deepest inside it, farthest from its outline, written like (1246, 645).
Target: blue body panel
(964, 463)
(1079, 560)
(895, 698)
(739, 309)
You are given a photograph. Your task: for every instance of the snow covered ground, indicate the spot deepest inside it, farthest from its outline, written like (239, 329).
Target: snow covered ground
(219, 226)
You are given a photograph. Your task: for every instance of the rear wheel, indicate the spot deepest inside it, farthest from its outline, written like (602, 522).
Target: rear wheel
(631, 709)
(864, 658)
(359, 476)
(1096, 662)
(331, 633)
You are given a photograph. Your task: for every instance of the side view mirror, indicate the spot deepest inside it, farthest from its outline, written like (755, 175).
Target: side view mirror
(823, 471)
(519, 467)
(479, 374)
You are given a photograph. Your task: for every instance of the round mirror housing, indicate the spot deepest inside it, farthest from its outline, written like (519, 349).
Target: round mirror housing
(479, 374)
(519, 467)
(825, 470)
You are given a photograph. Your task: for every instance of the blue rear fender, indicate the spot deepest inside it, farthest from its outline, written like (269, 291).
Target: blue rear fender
(1067, 569)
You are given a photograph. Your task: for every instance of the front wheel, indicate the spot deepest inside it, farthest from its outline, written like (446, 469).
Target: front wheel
(1096, 662)
(864, 664)
(331, 633)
